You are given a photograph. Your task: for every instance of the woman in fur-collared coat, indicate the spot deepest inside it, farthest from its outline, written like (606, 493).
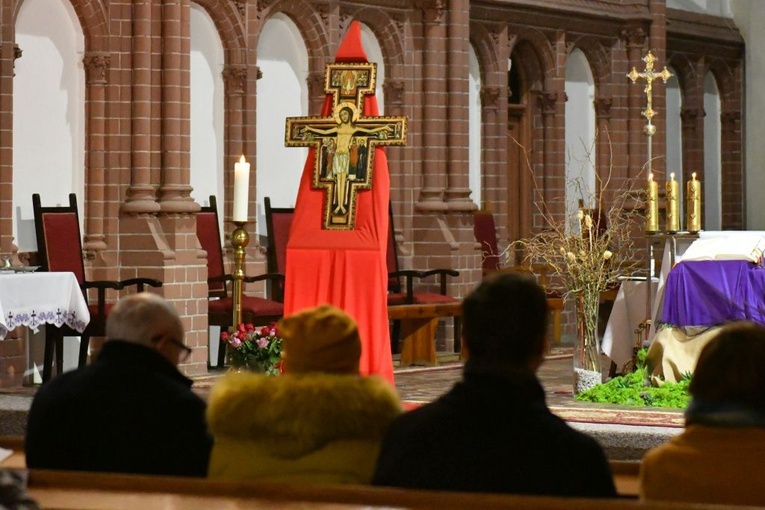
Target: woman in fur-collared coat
(320, 422)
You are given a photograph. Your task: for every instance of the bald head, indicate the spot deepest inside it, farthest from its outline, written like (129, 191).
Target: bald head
(146, 319)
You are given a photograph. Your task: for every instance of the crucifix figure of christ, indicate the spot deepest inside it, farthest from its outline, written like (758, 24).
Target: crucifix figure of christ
(649, 75)
(345, 142)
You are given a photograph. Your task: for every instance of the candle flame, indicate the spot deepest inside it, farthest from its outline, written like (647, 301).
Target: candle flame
(650, 176)
(694, 175)
(672, 176)
(242, 160)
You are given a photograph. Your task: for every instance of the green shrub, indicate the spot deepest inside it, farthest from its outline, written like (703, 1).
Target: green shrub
(636, 390)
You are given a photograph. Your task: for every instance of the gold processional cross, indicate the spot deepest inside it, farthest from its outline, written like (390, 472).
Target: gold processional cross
(649, 75)
(345, 142)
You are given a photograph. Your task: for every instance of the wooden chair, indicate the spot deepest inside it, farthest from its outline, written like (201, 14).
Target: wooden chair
(485, 233)
(59, 246)
(278, 222)
(401, 289)
(255, 310)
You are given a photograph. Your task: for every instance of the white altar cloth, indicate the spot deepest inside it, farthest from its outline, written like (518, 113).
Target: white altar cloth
(627, 313)
(33, 299)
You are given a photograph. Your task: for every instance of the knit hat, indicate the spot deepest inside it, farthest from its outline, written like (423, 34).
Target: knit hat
(321, 339)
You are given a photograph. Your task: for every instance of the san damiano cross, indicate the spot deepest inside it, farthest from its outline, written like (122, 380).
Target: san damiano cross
(345, 142)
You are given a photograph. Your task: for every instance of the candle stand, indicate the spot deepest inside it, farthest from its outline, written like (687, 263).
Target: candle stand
(239, 240)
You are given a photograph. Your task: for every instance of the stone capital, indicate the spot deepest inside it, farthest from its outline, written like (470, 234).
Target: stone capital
(394, 92)
(490, 97)
(96, 66)
(547, 101)
(603, 107)
(634, 36)
(432, 10)
(235, 77)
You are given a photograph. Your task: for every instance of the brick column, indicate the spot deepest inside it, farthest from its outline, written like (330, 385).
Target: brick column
(732, 184)
(234, 81)
(458, 190)
(140, 193)
(174, 190)
(434, 99)
(96, 67)
(395, 92)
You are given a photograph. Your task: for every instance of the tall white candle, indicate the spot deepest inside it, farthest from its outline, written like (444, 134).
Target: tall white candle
(241, 190)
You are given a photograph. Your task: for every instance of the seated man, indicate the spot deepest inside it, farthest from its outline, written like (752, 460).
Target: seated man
(131, 411)
(720, 456)
(493, 432)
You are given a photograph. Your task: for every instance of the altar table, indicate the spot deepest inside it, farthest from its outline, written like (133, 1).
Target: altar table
(712, 292)
(628, 311)
(33, 299)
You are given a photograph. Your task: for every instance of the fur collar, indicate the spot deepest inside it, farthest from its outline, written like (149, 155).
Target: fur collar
(306, 411)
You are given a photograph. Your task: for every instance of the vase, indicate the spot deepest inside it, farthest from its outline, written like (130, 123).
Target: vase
(587, 369)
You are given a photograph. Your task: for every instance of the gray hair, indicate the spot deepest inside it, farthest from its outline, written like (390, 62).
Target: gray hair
(140, 318)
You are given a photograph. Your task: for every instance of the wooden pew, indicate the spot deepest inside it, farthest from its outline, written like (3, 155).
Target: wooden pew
(65, 490)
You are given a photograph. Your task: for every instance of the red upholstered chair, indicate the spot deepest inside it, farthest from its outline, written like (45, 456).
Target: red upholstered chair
(485, 233)
(401, 289)
(59, 246)
(255, 310)
(278, 224)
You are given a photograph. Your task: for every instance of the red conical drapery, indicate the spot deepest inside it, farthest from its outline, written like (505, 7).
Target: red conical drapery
(346, 268)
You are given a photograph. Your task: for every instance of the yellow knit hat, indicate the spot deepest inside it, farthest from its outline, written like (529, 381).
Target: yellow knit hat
(321, 339)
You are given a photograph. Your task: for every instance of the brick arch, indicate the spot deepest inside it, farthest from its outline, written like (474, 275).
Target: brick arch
(530, 65)
(686, 74)
(534, 45)
(725, 76)
(312, 26)
(486, 51)
(388, 35)
(93, 22)
(598, 58)
(230, 29)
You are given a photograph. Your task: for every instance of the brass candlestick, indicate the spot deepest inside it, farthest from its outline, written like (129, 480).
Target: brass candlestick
(652, 209)
(239, 240)
(693, 220)
(673, 213)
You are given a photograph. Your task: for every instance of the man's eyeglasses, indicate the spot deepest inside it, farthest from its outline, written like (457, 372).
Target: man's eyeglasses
(185, 349)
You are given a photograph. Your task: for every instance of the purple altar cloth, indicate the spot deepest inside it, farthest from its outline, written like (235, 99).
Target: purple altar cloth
(712, 292)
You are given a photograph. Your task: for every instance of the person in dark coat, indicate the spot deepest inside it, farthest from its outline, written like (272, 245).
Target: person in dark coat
(131, 411)
(492, 432)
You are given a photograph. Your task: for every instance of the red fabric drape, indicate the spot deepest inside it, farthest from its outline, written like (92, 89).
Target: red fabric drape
(346, 268)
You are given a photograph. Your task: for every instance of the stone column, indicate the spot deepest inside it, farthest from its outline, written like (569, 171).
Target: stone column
(140, 193)
(96, 67)
(547, 105)
(434, 100)
(395, 92)
(458, 190)
(174, 190)
(234, 80)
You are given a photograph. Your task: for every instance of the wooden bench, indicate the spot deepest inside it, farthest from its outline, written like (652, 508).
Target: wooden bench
(625, 473)
(418, 330)
(65, 490)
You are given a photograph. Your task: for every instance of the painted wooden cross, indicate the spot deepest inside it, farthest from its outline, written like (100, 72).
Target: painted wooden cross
(345, 142)
(649, 75)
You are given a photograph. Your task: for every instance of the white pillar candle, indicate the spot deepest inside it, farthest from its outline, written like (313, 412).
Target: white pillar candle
(241, 190)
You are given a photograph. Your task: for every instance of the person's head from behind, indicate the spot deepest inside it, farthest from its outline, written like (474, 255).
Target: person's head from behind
(730, 367)
(504, 322)
(149, 320)
(322, 339)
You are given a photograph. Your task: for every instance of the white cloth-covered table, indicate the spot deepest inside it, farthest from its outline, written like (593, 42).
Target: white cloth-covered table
(628, 311)
(33, 299)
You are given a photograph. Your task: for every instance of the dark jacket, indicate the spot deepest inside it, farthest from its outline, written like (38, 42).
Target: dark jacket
(492, 433)
(131, 411)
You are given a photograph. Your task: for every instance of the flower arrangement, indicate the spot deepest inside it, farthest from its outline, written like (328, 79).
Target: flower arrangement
(586, 252)
(255, 348)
